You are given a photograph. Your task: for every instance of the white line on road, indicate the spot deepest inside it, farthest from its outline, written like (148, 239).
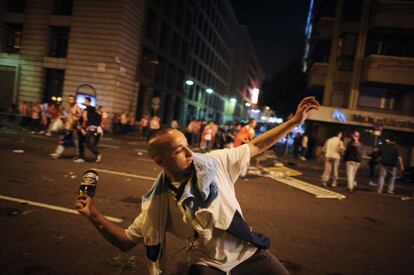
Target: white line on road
(124, 174)
(52, 207)
(109, 146)
(141, 150)
(319, 192)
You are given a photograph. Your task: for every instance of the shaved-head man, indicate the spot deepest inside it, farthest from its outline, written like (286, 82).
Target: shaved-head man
(194, 198)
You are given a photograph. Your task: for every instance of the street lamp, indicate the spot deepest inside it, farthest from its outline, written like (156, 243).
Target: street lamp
(247, 104)
(233, 100)
(189, 82)
(209, 91)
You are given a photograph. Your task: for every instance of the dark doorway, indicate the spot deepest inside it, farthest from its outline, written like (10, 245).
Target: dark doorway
(7, 80)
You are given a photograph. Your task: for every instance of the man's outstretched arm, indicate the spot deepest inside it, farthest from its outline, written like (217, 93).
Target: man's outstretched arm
(110, 231)
(267, 139)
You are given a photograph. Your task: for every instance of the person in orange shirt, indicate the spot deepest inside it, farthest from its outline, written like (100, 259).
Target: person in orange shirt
(246, 133)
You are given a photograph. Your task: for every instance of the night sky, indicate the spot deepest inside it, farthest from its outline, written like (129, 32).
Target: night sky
(276, 28)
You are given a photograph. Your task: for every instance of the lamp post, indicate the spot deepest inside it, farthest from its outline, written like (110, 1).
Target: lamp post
(187, 85)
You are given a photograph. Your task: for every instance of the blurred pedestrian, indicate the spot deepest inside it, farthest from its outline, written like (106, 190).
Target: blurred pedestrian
(297, 145)
(143, 127)
(35, 118)
(332, 149)
(352, 158)
(373, 163)
(389, 158)
(304, 146)
(174, 124)
(154, 124)
(207, 137)
(246, 133)
(91, 120)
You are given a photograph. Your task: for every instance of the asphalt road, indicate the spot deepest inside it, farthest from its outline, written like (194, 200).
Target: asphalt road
(365, 233)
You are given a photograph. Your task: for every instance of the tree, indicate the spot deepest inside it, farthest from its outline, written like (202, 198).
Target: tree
(284, 90)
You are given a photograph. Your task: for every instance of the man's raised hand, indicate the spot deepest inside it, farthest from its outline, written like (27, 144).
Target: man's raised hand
(305, 106)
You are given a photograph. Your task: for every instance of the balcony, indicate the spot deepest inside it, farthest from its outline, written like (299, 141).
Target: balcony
(393, 14)
(317, 74)
(388, 69)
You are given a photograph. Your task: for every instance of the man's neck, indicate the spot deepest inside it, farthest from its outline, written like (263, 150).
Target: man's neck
(177, 177)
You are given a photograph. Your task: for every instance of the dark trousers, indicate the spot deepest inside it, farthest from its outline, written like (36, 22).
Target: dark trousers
(81, 144)
(263, 262)
(92, 142)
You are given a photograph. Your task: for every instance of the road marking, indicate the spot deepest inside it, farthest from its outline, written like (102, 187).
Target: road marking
(109, 146)
(147, 160)
(52, 207)
(319, 192)
(124, 174)
(141, 150)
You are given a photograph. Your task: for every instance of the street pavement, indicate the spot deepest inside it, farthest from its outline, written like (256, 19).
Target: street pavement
(362, 233)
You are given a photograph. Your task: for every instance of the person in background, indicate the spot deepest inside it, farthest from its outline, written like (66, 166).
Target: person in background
(389, 158)
(143, 127)
(304, 146)
(352, 158)
(91, 120)
(332, 149)
(373, 163)
(35, 118)
(154, 124)
(207, 137)
(174, 124)
(246, 133)
(297, 145)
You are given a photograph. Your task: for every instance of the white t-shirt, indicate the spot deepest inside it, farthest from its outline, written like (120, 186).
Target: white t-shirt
(333, 148)
(222, 250)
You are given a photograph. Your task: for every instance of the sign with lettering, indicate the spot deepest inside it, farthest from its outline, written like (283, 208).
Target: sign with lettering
(376, 120)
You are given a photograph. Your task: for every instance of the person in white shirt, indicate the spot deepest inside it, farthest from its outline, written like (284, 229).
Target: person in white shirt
(194, 198)
(332, 149)
(304, 146)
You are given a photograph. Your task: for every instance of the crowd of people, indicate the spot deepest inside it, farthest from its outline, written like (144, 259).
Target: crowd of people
(384, 161)
(210, 135)
(80, 128)
(75, 126)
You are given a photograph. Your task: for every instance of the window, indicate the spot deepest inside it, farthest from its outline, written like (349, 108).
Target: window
(147, 63)
(188, 22)
(63, 7)
(352, 10)
(180, 81)
(348, 46)
(184, 53)
(160, 71)
(175, 46)
(171, 76)
(151, 25)
(53, 84)
(16, 5)
(380, 99)
(165, 36)
(59, 41)
(179, 14)
(13, 38)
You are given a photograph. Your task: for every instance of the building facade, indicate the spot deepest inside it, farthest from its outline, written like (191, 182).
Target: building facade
(192, 57)
(134, 55)
(359, 57)
(53, 48)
